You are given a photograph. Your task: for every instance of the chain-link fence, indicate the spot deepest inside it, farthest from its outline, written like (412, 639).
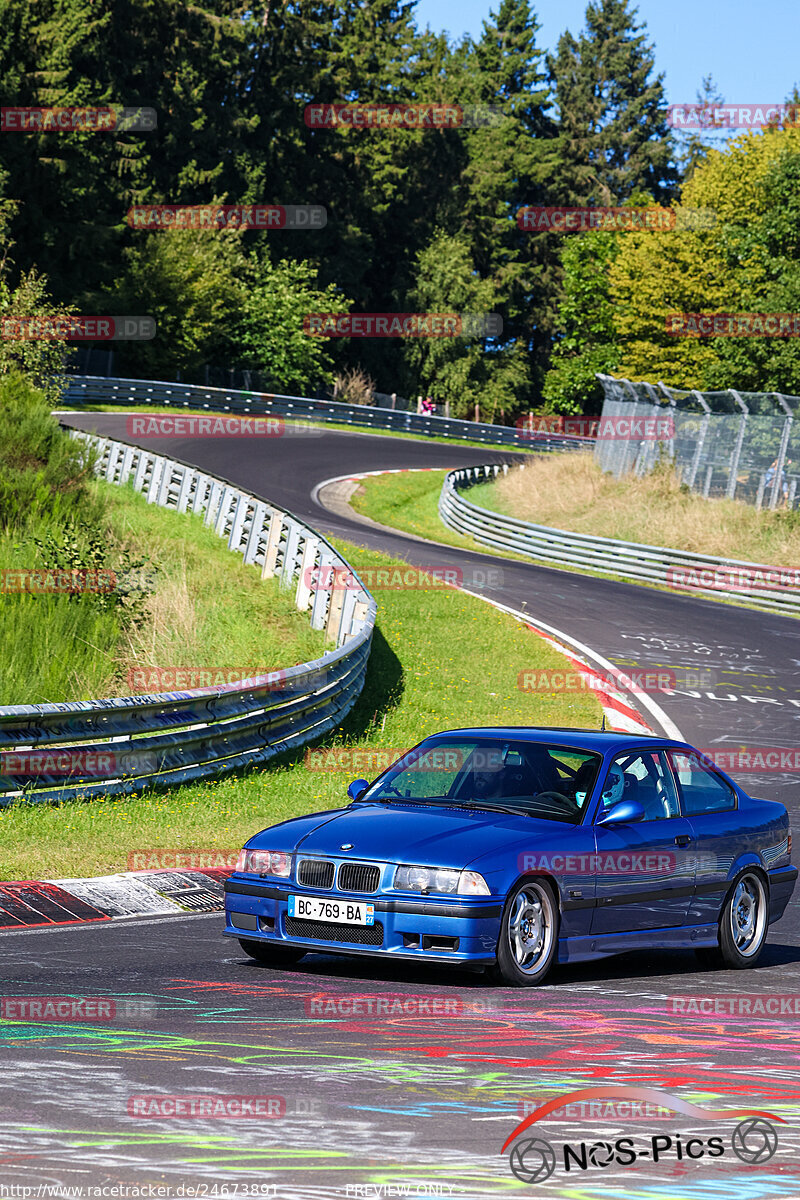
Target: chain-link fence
(742, 445)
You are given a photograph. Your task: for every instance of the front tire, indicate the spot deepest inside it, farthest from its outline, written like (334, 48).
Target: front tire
(744, 922)
(528, 937)
(269, 955)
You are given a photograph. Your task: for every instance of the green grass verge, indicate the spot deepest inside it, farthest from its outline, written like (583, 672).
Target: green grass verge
(440, 659)
(410, 502)
(206, 610)
(342, 426)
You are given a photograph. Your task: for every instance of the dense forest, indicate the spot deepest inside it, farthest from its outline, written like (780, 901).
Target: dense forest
(417, 219)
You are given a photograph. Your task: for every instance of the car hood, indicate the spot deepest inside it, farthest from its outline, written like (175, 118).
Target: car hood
(428, 835)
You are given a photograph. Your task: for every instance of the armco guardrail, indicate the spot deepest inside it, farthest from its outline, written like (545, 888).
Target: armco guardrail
(775, 588)
(81, 390)
(138, 742)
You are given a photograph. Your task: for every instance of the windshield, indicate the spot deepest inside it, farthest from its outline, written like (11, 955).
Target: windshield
(528, 777)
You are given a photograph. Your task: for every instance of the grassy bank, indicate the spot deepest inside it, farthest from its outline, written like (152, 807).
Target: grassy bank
(571, 492)
(411, 502)
(200, 608)
(134, 590)
(440, 659)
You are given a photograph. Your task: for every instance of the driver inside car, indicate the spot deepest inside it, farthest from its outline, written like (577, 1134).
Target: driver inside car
(614, 788)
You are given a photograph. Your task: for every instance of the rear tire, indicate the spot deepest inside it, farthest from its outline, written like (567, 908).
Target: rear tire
(271, 956)
(526, 947)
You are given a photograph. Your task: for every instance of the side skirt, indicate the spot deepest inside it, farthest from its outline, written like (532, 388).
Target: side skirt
(686, 937)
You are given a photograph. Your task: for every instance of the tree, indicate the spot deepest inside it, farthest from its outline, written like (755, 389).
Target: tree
(613, 137)
(589, 342)
(746, 262)
(462, 370)
(770, 284)
(272, 338)
(700, 137)
(41, 362)
(185, 61)
(508, 166)
(192, 283)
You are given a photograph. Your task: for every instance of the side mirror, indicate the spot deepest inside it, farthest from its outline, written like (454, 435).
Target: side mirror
(623, 813)
(357, 788)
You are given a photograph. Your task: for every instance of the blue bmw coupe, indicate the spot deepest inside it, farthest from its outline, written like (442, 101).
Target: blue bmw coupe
(510, 849)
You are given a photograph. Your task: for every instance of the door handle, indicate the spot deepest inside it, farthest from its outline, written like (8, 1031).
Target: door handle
(683, 839)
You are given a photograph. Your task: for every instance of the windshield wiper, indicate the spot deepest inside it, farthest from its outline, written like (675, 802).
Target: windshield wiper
(489, 805)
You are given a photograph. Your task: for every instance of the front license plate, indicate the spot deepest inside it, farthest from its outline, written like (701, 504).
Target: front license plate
(341, 912)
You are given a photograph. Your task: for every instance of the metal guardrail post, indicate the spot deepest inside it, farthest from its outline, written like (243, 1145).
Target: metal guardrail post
(698, 450)
(707, 480)
(784, 443)
(293, 533)
(733, 469)
(310, 552)
(273, 544)
(322, 590)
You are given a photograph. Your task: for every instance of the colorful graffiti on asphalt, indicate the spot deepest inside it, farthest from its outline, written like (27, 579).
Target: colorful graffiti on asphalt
(460, 1077)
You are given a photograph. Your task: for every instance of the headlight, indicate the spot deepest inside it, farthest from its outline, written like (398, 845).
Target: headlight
(264, 862)
(440, 879)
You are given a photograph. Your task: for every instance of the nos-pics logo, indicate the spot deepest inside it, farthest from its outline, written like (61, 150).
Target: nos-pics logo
(533, 1159)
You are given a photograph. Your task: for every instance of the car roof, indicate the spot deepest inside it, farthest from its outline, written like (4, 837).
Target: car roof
(600, 741)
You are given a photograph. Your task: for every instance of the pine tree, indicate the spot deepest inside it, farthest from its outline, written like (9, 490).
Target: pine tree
(613, 135)
(508, 167)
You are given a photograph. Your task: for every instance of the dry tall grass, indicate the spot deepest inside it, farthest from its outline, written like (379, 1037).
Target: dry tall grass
(570, 492)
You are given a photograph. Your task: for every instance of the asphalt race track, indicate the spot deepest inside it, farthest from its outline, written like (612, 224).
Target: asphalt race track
(386, 1081)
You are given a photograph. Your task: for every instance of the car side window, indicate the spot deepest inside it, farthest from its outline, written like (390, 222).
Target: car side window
(646, 778)
(702, 789)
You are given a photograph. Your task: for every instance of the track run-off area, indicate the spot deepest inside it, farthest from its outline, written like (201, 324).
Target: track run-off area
(387, 1080)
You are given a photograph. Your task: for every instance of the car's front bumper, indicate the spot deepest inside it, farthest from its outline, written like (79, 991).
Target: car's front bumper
(441, 929)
